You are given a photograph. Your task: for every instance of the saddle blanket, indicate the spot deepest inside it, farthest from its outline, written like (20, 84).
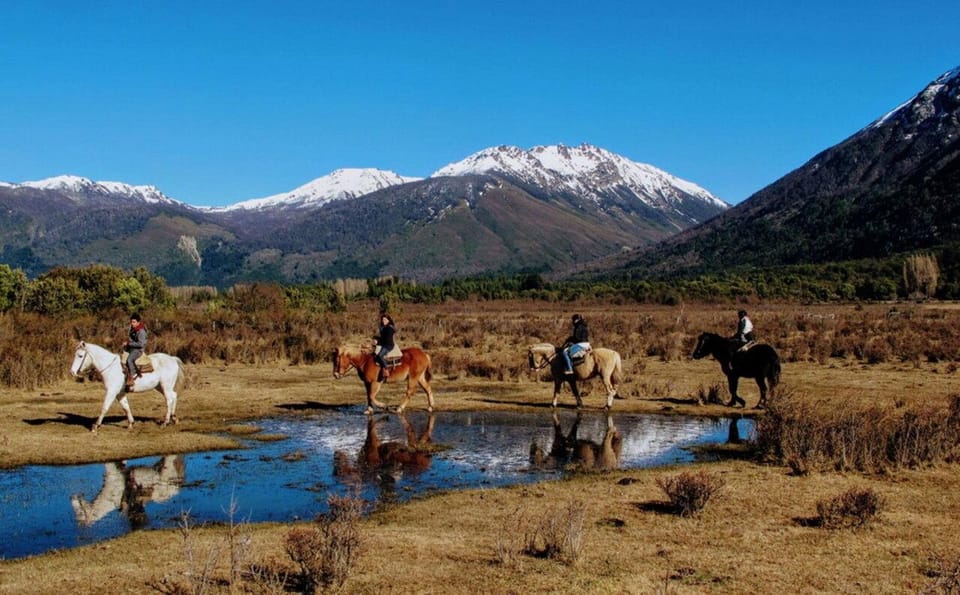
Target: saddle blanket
(394, 355)
(143, 362)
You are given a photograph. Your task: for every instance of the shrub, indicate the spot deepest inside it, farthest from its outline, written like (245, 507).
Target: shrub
(327, 551)
(557, 535)
(853, 508)
(689, 492)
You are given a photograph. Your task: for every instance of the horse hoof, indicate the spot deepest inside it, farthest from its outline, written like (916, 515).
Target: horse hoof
(369, 411)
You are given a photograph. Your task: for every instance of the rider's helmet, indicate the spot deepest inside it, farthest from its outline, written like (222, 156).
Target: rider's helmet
(576, 318)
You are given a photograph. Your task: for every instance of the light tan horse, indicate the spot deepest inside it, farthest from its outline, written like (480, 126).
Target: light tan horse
(414, 366)
(605, 363)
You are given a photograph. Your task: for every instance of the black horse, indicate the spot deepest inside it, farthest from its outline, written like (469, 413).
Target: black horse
(760, 362)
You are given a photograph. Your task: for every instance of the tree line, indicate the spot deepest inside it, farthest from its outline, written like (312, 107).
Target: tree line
(65, 291)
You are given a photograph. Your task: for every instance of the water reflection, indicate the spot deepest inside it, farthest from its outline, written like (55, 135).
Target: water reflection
(388, 458)
(571, 452)
(386, 461)
(128, 489)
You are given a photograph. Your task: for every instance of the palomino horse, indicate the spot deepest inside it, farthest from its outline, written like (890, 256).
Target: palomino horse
(167, 371)
(599, 361)
(571, 451)
(760, 362)
(414, 366)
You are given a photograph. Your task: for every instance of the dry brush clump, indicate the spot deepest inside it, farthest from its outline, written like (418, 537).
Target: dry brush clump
(810, 436)
(327, 551)
(555, 534)
(688, 492)
(853, 508)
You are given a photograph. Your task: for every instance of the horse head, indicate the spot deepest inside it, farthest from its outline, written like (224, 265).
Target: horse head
(344, 357)
(704, 345)
(539, 354)
(81, 360)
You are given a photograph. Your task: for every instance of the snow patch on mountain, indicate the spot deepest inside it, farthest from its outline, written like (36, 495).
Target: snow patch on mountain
(338, 185)
(78, 188)
(924, 104)
(586, 170)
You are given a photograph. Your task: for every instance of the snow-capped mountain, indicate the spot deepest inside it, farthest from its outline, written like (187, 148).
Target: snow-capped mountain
(586, 171)
(338, 185)
(80, 189)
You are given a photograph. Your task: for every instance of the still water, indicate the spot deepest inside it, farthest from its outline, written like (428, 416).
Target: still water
(44, 508)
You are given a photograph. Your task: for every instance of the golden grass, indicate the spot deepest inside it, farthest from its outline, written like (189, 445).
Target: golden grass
(754, 535)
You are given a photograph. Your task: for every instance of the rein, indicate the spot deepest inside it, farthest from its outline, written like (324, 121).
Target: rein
(114, 360)
(546, 361)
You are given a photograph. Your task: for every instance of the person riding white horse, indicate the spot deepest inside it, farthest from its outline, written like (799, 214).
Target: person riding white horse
(576, 343)
(135, 346)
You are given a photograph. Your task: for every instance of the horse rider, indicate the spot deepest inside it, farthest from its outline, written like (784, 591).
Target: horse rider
(577, 342)
(384, 344)
(744, 332)
(135, 346)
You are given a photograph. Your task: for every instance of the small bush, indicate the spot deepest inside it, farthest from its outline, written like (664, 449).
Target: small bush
(945, 572)
(689, 492)
(327, 551)
(853, 508)
(557, 535)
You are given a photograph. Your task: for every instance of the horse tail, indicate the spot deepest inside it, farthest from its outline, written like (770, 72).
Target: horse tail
(774, 378)
(181, 377)
(617, 374)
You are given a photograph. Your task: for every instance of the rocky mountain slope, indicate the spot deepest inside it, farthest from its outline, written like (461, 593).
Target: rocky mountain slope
(892, 187)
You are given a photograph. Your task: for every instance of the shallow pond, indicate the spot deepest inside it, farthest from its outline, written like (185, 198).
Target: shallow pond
(391, 457)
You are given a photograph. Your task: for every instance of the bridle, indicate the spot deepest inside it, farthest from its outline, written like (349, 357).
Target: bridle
(546, 360)
(86, 355)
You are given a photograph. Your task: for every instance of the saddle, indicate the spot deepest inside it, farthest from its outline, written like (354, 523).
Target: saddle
(394, 356)
(747, 346)
(143, 362)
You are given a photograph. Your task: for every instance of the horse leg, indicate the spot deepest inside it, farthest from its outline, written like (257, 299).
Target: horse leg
(107, 401)
(556, 391)
(411, 388)
(576, 392)
(372, 389)
(425, 385)
(763, 393)
(611, 391)
(171, 397)
(126, 409)
(732, 381)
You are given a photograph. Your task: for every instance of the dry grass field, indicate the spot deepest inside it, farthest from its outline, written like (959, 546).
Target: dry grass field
(758, 534)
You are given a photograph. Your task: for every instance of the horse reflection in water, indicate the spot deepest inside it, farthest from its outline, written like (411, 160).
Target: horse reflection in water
(570, 452)
(129, 489)
(387, 461)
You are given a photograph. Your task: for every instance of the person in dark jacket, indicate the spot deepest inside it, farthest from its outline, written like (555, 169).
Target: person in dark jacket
(577, 342)
(384, 343)
(135, 346)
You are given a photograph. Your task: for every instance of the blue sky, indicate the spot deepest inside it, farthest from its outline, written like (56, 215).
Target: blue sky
(218, 102)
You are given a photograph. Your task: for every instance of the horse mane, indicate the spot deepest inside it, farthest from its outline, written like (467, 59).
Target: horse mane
(543, 348)
(352, 349)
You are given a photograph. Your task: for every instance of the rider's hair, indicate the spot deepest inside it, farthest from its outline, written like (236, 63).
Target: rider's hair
(742, 313)
(135, 316)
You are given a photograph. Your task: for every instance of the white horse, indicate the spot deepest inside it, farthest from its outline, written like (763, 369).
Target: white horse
(129, 488)
(167, 370)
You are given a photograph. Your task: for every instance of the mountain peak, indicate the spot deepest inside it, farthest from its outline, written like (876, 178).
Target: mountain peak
(80, 188)
(339, 184)
(585, 170)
